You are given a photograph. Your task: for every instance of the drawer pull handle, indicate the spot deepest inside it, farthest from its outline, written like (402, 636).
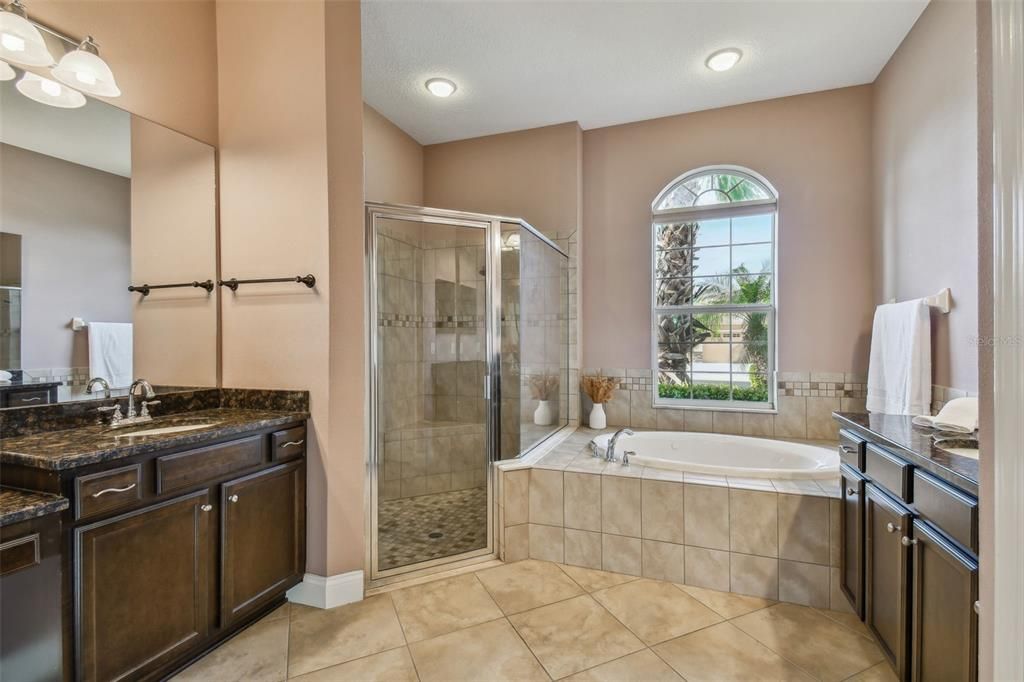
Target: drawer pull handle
(30, 400)
(291, 443)
(114, 490)
(233, 498)
(907, 542)
(891, 528)
(848, 449)
(207, 507)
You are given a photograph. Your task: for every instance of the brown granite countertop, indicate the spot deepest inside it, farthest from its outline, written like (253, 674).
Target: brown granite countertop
(99, 443)
(19, 505)
(914, 444)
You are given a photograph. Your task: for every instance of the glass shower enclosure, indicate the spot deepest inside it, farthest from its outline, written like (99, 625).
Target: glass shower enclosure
(469, 364)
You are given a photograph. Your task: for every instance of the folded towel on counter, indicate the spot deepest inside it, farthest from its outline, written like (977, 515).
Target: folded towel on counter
(5, 377)
(959, 415)
(110, 352)
(900, 368)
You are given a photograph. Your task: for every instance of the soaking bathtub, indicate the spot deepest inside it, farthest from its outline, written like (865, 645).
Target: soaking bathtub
(723, 455)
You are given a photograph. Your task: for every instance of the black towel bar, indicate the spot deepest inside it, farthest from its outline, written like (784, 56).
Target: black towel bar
(146, 288)
(308, 280)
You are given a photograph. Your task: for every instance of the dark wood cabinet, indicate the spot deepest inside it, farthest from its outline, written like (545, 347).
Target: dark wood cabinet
(262, 538)
(141, 587)
(944, 625)
(851, 558)
(887, 574)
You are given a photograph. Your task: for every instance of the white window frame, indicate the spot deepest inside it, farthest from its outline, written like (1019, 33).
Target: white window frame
(694, 213)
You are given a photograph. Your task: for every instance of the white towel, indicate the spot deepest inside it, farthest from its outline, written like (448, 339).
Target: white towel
(900, 369)
(959, 415)
(110, 352)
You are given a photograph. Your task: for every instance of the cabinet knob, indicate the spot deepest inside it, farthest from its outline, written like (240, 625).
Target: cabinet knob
(891, 528)
(206, 507)
(232, 498)
(907, 542)
(851, 492)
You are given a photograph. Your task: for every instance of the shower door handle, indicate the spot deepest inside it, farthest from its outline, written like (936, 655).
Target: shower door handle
(487, 387)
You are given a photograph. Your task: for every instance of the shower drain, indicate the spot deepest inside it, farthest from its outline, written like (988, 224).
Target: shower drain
(435, 535)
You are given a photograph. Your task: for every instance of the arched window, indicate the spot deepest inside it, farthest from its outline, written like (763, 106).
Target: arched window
(713, 290)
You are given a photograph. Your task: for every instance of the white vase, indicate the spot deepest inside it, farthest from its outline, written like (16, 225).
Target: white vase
(598, 420)
(542, 415)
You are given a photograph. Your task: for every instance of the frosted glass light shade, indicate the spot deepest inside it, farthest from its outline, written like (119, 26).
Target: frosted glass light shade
(6, 72)
(21, 42)
(85, 71)
(46, 91)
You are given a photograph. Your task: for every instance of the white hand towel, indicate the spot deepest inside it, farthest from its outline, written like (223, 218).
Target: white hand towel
(900, 369)
(959, 415)
(5, 377)
(110, 352)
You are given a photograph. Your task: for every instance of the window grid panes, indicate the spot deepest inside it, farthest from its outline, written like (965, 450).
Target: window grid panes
(713, 294)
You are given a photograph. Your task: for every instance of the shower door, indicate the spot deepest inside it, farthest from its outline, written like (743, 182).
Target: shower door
(433, 364)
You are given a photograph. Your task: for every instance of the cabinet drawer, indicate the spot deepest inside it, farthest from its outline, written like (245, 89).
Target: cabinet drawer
(99, 493)
(888, 471)
(851, 449)
(202, 465)
(26, 398)
(19, 553)
(288, 444)
(955, 512)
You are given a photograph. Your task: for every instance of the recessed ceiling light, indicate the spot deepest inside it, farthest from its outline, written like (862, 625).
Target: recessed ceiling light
(441, 87)
(723, 60)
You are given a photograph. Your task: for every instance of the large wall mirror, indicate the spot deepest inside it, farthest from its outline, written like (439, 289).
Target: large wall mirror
(94, 200)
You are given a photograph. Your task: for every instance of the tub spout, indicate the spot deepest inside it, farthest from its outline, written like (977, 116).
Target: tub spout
(610, 454)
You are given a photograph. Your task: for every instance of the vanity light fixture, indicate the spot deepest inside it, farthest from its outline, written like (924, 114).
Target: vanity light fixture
(6, 72)
(83, 69)
(723, 60)
(46, 91)
(441, 87)
(20, 41)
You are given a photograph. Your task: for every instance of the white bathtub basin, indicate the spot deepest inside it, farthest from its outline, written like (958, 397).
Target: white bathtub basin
(722, 455)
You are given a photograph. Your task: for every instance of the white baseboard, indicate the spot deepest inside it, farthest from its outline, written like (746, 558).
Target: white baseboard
(326, 593)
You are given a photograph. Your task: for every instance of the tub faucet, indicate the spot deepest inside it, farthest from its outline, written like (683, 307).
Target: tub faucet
(610, 452)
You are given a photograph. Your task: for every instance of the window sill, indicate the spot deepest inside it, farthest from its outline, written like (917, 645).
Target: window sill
(769, 409)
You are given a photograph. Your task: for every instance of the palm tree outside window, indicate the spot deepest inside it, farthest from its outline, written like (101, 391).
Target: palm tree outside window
(713, 290)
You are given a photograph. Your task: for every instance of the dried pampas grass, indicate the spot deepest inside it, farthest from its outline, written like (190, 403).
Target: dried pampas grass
(598, 388)
(543, 386)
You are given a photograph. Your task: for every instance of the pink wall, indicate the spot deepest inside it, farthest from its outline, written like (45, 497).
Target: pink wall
(392, 161)
(925, 175)
(815, 149)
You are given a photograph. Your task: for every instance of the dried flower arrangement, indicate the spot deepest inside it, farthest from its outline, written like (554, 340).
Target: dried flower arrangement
(598, 388)
(543, 386)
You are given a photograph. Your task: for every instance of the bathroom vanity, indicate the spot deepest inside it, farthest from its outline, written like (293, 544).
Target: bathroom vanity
(172, 540)
(909, 551)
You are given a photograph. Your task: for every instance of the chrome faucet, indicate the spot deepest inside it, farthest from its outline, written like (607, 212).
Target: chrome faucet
(103, 384)
(610, 452)
(148, 393)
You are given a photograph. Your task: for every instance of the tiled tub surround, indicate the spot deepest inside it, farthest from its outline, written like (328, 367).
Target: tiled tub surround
(772, 539)
(806, 401)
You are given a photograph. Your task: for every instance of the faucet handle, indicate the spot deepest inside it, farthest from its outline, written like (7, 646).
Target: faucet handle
(115, 411)
(626, 455)
(145, 407)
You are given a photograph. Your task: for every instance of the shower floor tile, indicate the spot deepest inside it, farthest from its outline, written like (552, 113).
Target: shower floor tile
(415, 529)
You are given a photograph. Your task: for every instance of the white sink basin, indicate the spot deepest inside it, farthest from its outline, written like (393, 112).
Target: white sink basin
(163, 430)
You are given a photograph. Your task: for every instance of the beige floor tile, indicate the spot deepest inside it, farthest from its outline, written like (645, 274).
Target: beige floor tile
(258, 653)
(726, 604)
(593, 580)
(881, 672)
(812, 641)
(322, 638)
(388, 666)
(722, 652)
(443, 606)
(574, 635)
(490, 651)
(656, 611)
(849, 619)
(527, 585)
(643, 665)
(282, 611)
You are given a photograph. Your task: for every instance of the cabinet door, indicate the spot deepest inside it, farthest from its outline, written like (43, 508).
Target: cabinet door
(887, 575)
(851, 548)
(141, 587)
(945, 627)
(263, 538)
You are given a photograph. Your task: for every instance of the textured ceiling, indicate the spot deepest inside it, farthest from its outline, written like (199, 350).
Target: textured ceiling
(527, 64)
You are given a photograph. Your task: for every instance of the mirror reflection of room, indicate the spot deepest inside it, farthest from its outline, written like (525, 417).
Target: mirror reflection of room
(94, 201)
